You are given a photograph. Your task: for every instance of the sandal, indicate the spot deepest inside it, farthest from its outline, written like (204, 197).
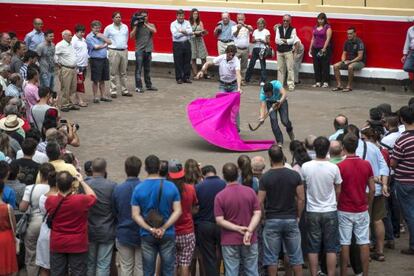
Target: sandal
(379, 257)
(338, 88)
(348, 89)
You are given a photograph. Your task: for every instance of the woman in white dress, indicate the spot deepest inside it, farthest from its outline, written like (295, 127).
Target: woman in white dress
(43, 248)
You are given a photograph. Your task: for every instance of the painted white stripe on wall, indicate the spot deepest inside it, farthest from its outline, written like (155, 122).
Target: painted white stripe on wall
(211, 9)
(368, 72)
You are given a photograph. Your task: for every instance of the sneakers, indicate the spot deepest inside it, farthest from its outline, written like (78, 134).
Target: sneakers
(291, 88)
(325, 85)
(106, 99)
(139, 90)
(96, 100)
(113, 96)
(318, 84)
(127, 94)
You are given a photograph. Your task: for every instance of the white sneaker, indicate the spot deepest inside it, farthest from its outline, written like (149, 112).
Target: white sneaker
(318, 84)
(291, 88)
(262, 84)
(325, 85)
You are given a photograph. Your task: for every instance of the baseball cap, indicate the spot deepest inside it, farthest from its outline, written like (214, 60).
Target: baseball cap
(175, 169)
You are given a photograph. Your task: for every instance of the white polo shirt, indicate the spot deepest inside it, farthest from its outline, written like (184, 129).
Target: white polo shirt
(242, 40)
(81, 49)
(227, 69)
(117, 35)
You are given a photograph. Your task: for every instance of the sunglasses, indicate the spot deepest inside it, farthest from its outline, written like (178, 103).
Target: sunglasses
(286, 20)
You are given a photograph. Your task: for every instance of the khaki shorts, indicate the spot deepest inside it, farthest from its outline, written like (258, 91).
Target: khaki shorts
(356, 65)
(378, 211)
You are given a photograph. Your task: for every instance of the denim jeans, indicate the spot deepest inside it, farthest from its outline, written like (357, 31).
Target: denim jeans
(253, 59)
(99, 258)
(409, 62)
(393, 218)
(142, 60)
(284, 118)
(151, 247)
(282, 231)
(233, 255)
(47, 79)
(405, 195)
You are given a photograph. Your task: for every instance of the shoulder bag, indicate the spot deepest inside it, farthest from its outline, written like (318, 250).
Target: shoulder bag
(49, 219)
(22, 224)
(154, 218)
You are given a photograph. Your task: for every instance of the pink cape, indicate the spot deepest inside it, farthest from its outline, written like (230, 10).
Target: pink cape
(214, 119)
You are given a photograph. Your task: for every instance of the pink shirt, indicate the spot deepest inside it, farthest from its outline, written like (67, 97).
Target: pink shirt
(31, 95)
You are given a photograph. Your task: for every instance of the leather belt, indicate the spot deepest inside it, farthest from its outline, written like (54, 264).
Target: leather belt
(69, 67)
(226, 41)
(228, 83)
(116, 49)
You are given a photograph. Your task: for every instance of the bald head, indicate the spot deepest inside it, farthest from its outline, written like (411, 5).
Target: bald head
(38, 24)
(5, 39)
(99, 166)
(340, 122)
(67, 35)
(225, 16)
(258, 164)
(335, 149)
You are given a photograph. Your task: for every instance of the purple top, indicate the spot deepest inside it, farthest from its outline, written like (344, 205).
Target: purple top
(319, 36)
(31, 94)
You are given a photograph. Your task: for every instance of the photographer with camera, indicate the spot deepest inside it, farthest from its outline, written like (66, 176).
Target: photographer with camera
(143, 32)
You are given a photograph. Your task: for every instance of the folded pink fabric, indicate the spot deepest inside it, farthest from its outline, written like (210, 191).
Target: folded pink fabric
(214, 119)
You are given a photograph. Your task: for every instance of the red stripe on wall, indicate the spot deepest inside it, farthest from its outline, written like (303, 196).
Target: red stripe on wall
(383, 40)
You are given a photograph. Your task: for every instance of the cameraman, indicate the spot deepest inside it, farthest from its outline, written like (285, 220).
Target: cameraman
(71, 133)
(142, 31)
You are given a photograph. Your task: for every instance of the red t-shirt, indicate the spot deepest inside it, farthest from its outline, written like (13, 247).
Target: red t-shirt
(184, 224)
(70, 224)
(355, 174)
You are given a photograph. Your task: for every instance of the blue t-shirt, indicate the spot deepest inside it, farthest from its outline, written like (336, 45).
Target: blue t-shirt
(276, 92)
(127, 230)
(146, 197)
(9, 196)
(206, 192)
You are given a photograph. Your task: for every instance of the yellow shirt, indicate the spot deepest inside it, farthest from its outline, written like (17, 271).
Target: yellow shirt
(60, 166)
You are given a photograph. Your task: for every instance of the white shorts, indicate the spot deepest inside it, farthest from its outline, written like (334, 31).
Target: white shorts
(357, 223)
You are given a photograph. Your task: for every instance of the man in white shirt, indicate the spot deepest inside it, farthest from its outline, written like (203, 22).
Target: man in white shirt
(323, 181)
(298, 52)
(285, 38)
(82, 56)
(181, 32)
(118, 33)
(65, 57)
(241, 33)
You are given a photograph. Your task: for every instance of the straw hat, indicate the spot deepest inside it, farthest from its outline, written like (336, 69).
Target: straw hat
(11, 123)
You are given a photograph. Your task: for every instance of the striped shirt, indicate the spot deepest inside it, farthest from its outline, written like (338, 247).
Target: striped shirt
(403, 153)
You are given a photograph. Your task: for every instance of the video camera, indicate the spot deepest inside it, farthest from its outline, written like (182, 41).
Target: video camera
(137, 19)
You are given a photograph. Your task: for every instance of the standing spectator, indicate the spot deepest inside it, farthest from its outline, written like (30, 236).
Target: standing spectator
(117, 33)
(181, 31)
(246, 177)
(323, 181)
(258, 166)
(320, 50)
(310, 149)
(207, 231)
(408, 51)
(193, 174)
(198, 47)
(14, 183)
(30, 58)
(8, 261)
(31, 92)
(298, 53)
(46, 52)
(65, 57)
(144, 45)
(285, 38)
(69, 231)
(30, 200)
(14, 89)
(13, 38)
(127, 230)
(353, 203)
(5, 58)
(8, 195)
(19, 49)
(223, 32)
(38, 111)
(4, 42)
(241, 35)
(261, 38)
(97, 49)
(35, 37)
(402, 161)
(281, 195)
(101, 221)
(352, 59)
(335, 152)
(28, 168)
(156, 238)
(4, 76)
(238, 218)
(340, 123)
(184, 227)
(81, 50)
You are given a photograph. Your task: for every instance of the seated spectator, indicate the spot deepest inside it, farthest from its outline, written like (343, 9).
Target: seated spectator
(14, 89)
(28, 168)
(69, 233)
(353, 59)
(127, 230)
(101, 221)
(31, 92)
(340, 123)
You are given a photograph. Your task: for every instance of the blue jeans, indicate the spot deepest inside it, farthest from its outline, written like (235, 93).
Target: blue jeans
(282, 231)
(142, 60)
(409, 62)
(47, 79)
(247, 255)
(151, 247)
(253, 59)
(284, 118)
(99, 258)
(405, 195)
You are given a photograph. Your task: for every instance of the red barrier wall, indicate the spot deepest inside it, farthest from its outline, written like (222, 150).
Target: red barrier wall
(384, 40)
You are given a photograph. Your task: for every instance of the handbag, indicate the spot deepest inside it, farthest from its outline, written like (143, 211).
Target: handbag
(154, 218)
(80, 85)
(49, 219)
(21, 226)
(266, 52)
(17, 240)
